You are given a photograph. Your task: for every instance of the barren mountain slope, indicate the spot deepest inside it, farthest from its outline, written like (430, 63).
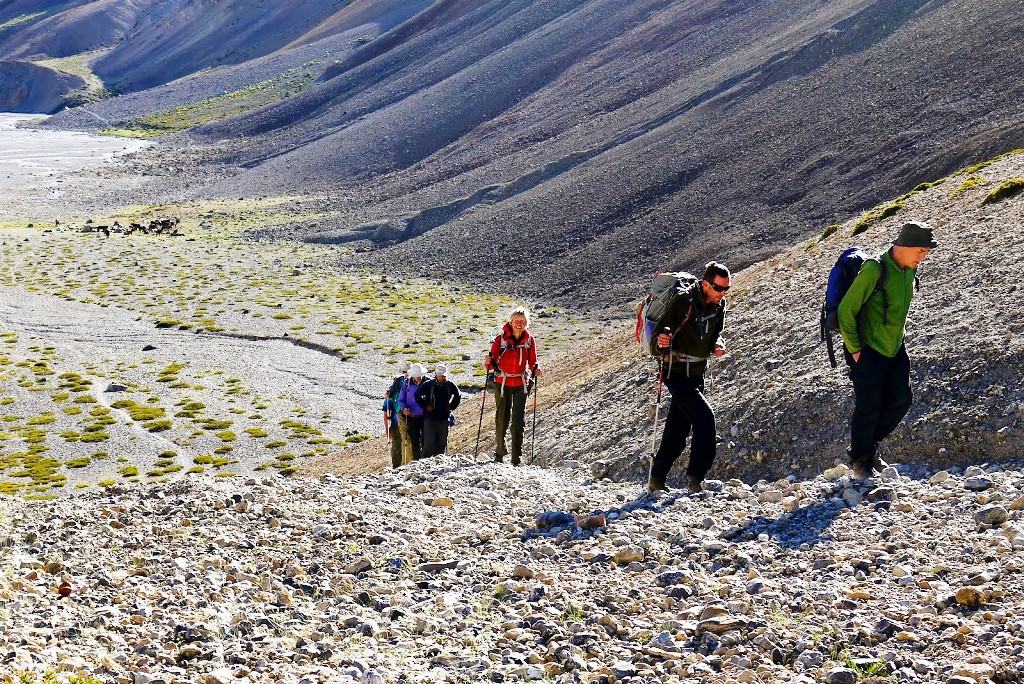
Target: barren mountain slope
(780, 408)
(138, 46)
(573, 139)
(568, 138)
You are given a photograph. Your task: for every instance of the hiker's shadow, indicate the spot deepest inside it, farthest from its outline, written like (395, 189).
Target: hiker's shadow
(793, 529)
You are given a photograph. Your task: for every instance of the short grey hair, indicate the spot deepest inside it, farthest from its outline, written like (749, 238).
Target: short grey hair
(520, 311)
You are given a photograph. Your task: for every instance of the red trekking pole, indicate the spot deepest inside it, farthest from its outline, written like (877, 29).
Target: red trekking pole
(657, 401)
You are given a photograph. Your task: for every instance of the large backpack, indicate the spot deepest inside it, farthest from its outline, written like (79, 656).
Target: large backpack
(662, 302)
(840, 278)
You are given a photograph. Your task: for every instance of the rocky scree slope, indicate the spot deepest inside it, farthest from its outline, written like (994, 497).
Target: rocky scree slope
(780, 407)
(461, 572)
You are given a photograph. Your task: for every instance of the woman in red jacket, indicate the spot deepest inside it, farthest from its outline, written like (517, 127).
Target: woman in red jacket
(513, 358)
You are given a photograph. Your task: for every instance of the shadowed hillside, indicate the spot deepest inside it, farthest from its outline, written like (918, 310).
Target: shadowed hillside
(568, 137)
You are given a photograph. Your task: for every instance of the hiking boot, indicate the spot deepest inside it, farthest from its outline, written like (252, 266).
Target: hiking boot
(499, 459)
(694, 484)
(860, 471)
(878, 465)
(656, 484)
(516, 461)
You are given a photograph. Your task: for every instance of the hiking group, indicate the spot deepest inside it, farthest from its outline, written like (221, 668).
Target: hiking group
(680, 323)
(867, 301)
(418, 413)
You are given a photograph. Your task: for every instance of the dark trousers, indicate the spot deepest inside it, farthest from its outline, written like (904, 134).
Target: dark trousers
(414, 426)
(396, 446)
(688, 411)
(509, 412)
(435, 437)
(882, 398)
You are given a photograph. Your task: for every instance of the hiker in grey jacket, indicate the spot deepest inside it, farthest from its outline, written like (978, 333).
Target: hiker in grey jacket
(702, 315)
(438, 397)
(873, 325)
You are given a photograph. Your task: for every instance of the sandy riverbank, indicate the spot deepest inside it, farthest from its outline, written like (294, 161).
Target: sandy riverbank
(37, 167)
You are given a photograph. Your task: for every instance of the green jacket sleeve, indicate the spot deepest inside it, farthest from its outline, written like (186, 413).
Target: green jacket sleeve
(860, 291)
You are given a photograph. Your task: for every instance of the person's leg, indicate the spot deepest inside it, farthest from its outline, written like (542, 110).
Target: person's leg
(897, 396)
(396, 447)
(429, 439)
(416, 436)
(677, 429)
(441, 443)
(502, 413)
(403, 429)
(704, 442)
(518, 423)
(867, 375)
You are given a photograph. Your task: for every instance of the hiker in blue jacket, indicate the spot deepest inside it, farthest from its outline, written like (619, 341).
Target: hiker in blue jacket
(396, 430)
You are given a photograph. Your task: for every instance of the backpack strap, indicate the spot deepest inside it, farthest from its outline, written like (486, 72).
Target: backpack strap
(883, 278)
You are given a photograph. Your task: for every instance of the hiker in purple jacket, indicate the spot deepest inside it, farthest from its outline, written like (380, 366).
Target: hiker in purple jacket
(412, 412)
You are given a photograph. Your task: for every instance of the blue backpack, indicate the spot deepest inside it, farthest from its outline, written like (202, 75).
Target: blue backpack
(840, 278)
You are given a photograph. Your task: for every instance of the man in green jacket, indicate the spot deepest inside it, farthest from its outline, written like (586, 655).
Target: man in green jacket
(873, 325)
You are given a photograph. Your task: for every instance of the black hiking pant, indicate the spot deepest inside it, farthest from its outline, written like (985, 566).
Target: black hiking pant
(414, 427)
(689, 411)
(435, 437)
(882, 398)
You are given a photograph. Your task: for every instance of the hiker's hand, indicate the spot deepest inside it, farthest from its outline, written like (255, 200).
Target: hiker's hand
(856, 357)
(487, 363)
(536, 371)
(664, 339)
(719, 350)
(405, 411)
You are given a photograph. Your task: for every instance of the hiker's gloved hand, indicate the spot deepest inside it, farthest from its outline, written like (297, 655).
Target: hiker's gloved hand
(720, 349)
(536, 371)
(487, 363)
(664, 340)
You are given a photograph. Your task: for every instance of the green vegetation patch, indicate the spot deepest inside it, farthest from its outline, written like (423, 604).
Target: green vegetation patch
(875, 215)
(1006, 189)
(158, 425)
(212, 424)
(216, 108)
(139, 413)
(968, 183)
(21, 19)
(830, 230)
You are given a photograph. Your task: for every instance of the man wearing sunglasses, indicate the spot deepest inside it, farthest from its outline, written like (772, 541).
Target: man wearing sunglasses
(687, 348)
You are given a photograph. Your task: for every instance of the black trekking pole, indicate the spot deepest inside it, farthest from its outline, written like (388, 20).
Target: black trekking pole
(480, 425)
(533, 433)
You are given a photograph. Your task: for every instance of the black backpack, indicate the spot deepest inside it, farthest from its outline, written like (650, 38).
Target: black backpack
(840, 278)
(666, 291)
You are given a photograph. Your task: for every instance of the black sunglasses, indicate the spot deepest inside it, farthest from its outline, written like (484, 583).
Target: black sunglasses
(718, 288)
